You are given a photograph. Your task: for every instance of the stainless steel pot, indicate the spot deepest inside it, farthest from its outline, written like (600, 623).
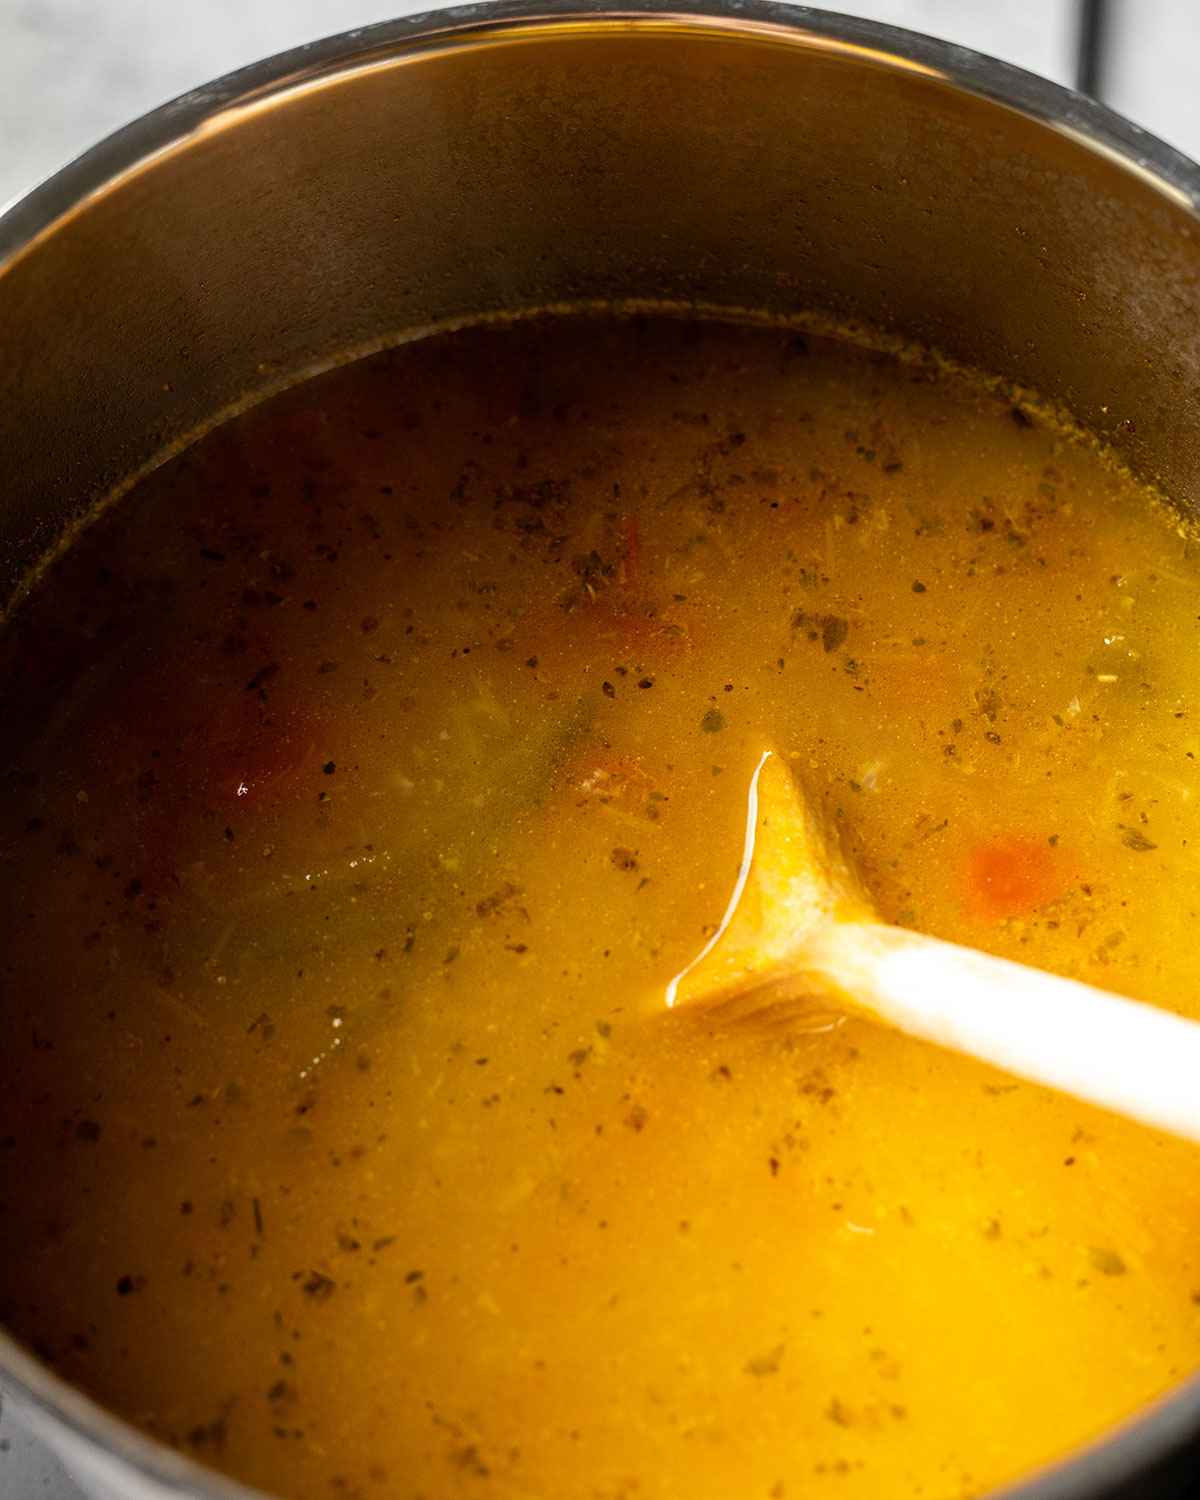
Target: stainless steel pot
(735, 153)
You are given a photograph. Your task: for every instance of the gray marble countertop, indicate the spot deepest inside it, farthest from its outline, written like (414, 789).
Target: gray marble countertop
(73, 70)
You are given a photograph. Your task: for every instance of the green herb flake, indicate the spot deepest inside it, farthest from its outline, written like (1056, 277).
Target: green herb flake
(1107, 1262)
(766, 1364)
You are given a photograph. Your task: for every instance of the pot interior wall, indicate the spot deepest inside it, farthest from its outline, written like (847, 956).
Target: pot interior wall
(579, 160)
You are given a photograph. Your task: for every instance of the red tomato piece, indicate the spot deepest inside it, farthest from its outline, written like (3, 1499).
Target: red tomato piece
(193, 749)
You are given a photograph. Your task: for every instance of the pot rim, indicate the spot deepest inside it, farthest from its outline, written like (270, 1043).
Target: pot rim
(59, 1411)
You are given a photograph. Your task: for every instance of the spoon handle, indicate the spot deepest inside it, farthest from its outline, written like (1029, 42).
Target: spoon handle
(1123, 1055)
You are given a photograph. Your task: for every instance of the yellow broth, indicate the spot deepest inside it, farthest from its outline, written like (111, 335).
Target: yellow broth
(373, 767)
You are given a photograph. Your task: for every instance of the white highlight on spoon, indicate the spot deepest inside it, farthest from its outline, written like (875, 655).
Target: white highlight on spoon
(739, 885)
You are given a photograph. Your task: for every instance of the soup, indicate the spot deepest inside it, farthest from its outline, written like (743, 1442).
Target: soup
(375, 765)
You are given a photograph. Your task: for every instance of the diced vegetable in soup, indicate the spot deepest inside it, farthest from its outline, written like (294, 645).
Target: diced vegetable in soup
(374, 765)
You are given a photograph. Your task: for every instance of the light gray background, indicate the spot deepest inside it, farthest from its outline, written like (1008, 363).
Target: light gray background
(72, 70)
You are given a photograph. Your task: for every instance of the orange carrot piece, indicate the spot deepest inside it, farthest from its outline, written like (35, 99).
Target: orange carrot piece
(1013, 876)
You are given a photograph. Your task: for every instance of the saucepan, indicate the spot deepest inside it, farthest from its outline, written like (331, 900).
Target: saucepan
(721, 154)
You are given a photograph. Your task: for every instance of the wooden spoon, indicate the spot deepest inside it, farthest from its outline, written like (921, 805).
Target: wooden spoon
(799, 921)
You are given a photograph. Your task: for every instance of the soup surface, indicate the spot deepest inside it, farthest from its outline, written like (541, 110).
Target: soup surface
(374, 766)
